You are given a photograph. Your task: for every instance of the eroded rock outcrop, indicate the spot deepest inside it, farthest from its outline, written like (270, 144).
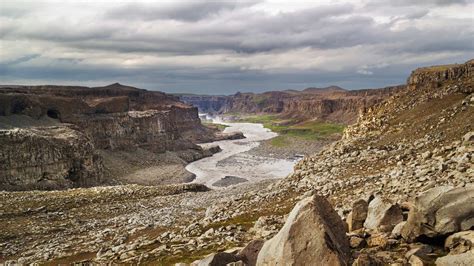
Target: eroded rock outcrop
(47, 158)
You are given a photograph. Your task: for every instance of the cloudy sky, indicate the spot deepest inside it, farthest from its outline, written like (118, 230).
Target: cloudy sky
(220, 47)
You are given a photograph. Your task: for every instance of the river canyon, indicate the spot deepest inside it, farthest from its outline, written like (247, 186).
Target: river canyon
(233, 165)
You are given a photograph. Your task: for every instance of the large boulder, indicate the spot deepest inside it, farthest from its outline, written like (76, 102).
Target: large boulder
(356, 219)
(439, 212)
(313, 232)
(383, 215)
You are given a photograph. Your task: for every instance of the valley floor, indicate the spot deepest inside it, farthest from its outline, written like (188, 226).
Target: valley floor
(109, 223)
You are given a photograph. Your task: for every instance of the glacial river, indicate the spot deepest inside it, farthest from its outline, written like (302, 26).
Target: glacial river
(234, 162)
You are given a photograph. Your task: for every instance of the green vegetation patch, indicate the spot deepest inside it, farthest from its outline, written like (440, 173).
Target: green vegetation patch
(308, 130)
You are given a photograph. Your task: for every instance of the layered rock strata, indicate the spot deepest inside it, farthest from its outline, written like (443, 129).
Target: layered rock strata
(110, 118)
(331, 103)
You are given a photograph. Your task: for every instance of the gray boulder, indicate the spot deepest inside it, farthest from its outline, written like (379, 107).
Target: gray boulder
(383, 215)
(313, 232)
(440, 211)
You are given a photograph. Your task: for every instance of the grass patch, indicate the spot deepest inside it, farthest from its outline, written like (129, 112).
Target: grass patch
(308, 130)
(280, 141)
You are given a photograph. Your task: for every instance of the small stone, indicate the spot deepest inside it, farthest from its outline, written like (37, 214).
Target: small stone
(377, 240)
(357, 242)
(464, 259)
(397, 230)
(367, 260)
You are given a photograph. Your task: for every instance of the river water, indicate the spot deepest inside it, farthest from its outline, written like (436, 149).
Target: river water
(234, 163)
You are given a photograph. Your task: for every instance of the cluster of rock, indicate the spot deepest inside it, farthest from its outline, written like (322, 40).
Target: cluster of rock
(398, 159)
(412, 232)
(50, 157)
(376, 232)
(427, 88)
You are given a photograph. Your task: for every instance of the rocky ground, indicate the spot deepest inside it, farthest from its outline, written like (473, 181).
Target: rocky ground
(117, 223)
(395, 190)
(143, 167)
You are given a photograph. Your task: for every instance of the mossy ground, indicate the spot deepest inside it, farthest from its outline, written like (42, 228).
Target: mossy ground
(288, 129)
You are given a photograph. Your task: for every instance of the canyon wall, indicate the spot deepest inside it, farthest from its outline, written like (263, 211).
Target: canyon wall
(114, 117)
(207, 103)
(331, 103)
(47, 158)
(424, 85)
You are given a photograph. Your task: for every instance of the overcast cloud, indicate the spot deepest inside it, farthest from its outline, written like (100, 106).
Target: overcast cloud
(220, 47)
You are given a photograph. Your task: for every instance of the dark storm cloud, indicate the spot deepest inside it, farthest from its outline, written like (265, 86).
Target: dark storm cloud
(256, 34)
(430, 2)
(22, 59)
(185, 11)
(247, 32)
(225, 46)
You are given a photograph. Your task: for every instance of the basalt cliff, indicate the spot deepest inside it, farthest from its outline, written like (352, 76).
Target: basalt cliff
(63, 136)
(330, 103)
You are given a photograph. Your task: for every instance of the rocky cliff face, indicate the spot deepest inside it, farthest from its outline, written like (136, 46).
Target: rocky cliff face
(152, 130)
(331, 103)
(47, 158)
(114, 117)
